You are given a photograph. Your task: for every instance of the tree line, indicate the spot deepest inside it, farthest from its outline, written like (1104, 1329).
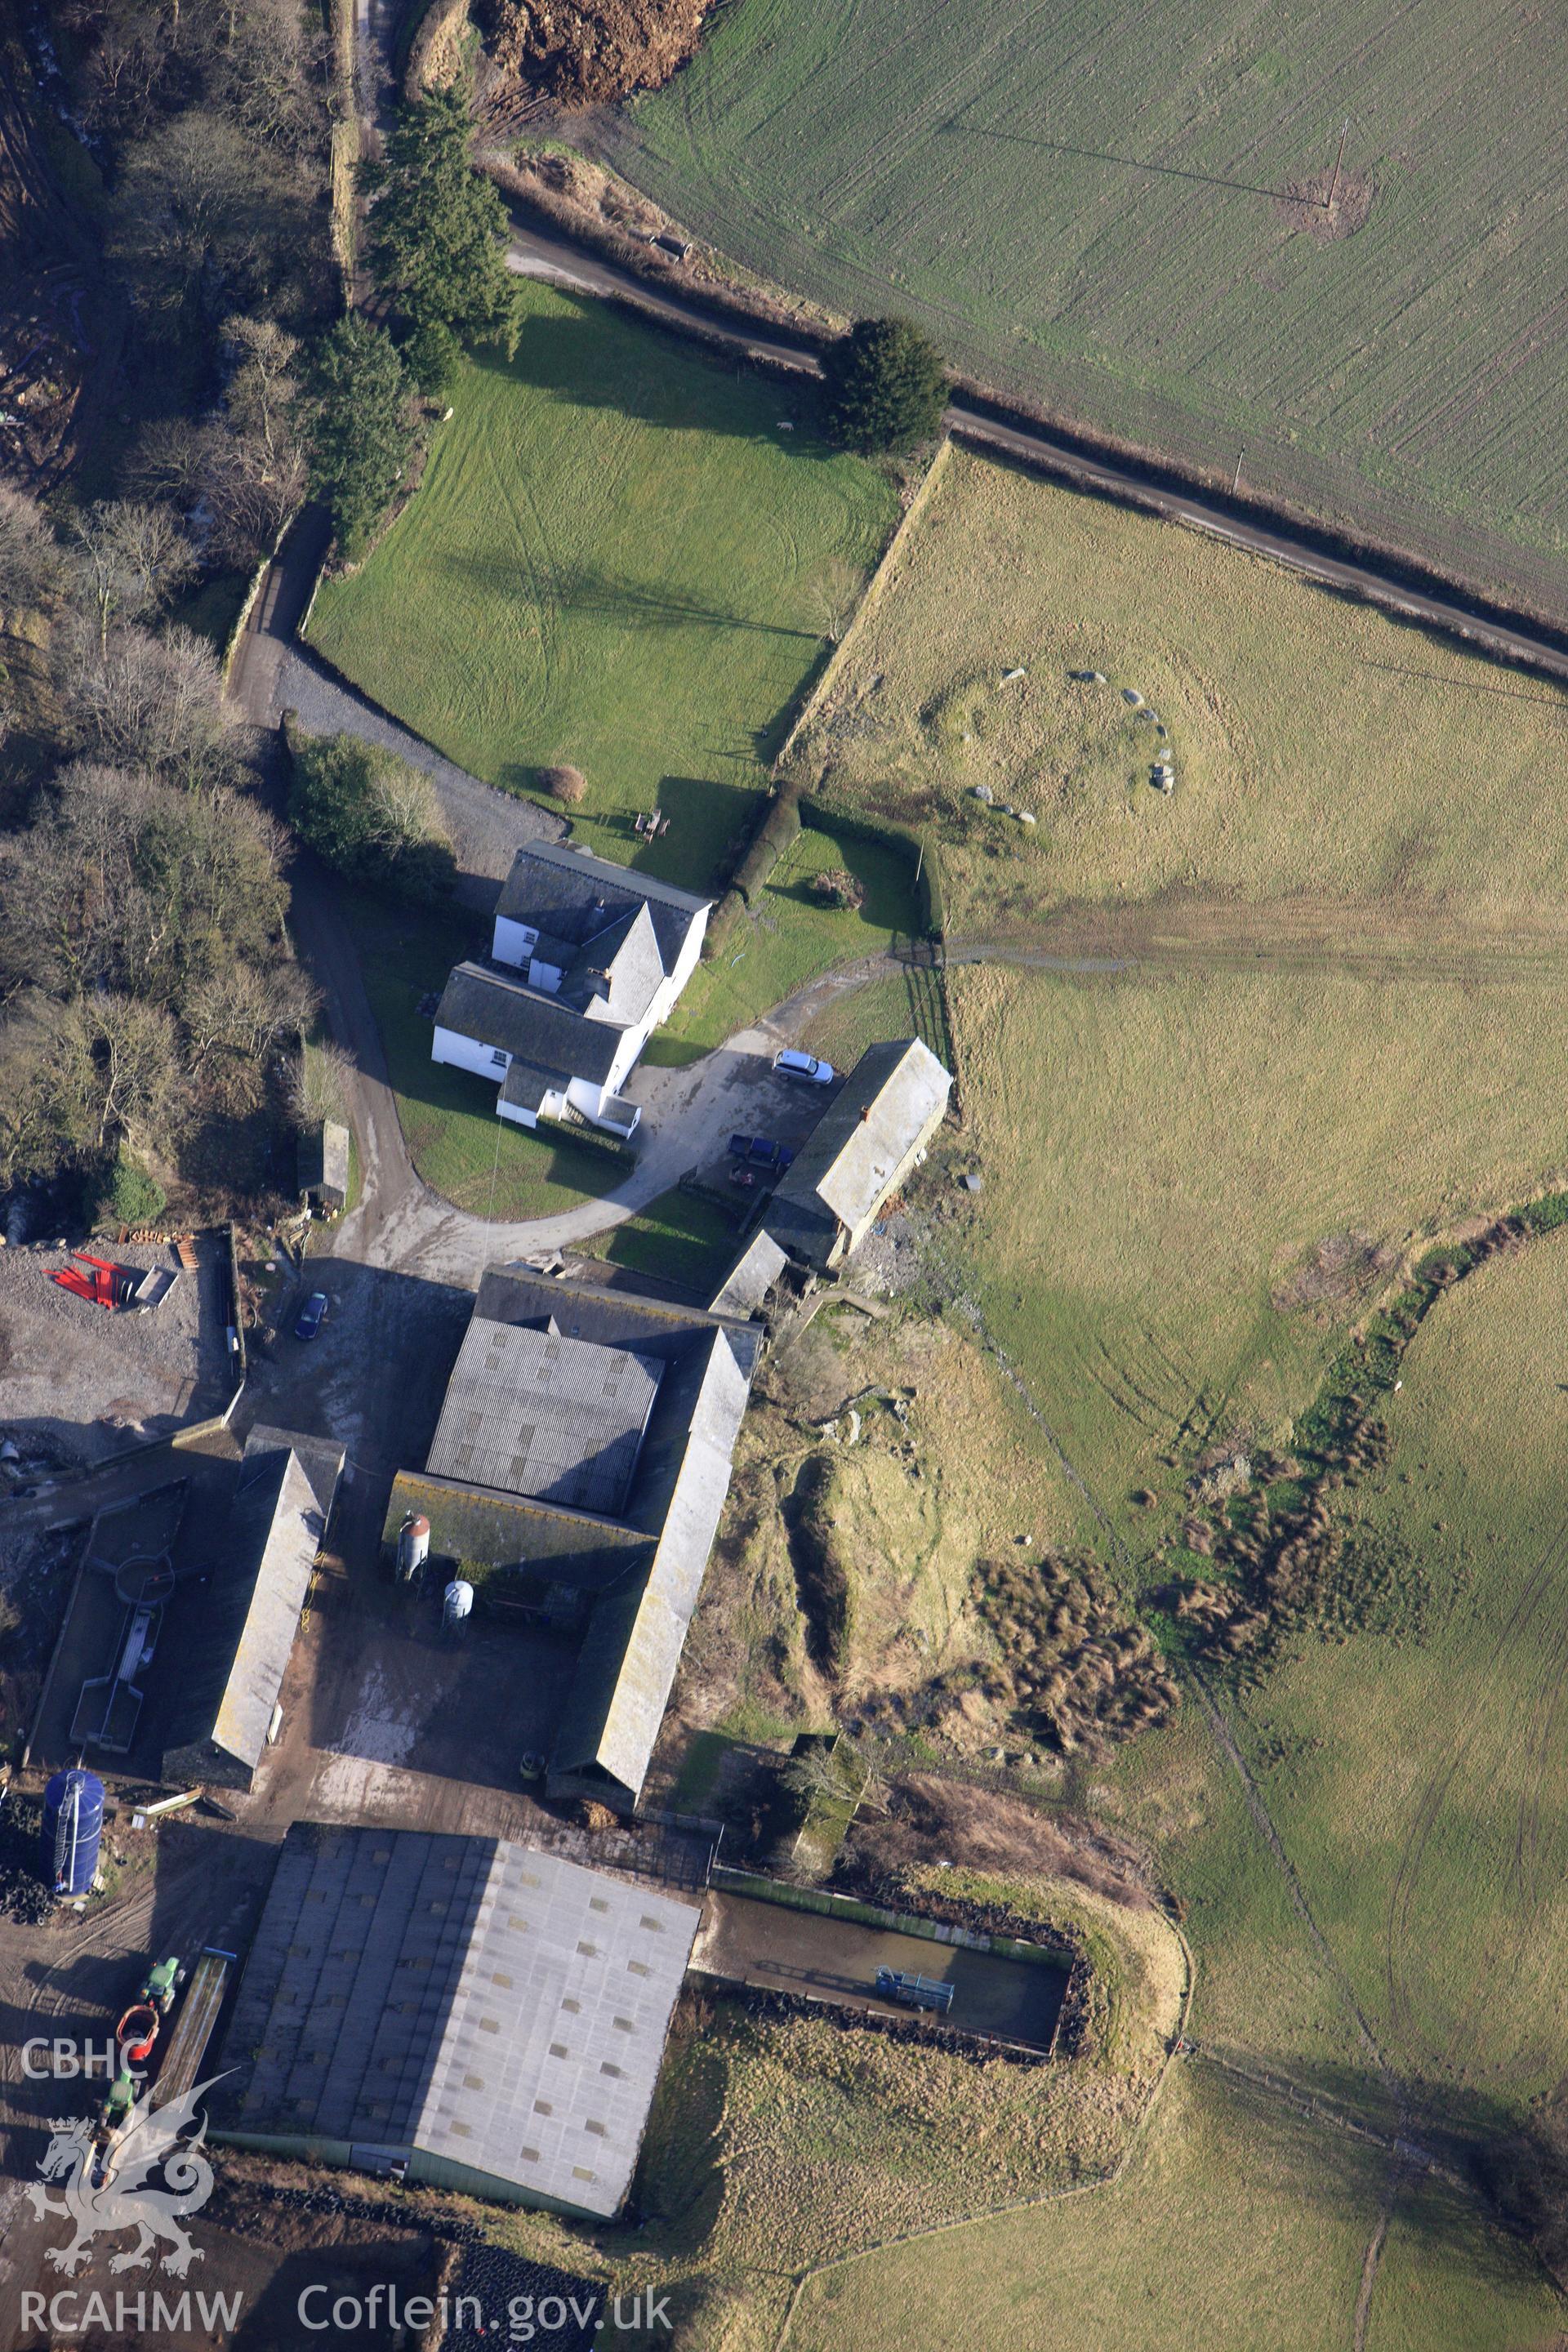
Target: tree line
(146, 981)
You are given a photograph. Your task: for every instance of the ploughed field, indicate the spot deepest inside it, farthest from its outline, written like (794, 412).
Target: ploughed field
(1135, 213)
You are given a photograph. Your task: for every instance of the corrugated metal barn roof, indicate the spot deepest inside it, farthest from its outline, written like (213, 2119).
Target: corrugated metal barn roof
(235, 1632)
(531, 1411)
(477, 2000)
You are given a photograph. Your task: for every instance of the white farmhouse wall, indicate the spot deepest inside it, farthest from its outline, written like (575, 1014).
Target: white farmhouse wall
(583, 1095)
(467, 1053)
(512, 941)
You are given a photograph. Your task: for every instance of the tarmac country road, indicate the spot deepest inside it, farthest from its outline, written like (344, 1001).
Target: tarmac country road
(551, 255)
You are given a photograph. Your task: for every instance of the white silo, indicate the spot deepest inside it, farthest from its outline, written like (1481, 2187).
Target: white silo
(413, 1546)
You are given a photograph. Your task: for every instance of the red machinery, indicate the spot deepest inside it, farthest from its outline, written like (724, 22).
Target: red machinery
(137, 2031)
(108, 1285)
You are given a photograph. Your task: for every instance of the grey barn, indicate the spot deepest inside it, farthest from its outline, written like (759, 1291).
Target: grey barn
(584, 1455)
(482, 2017)
(237, 1628)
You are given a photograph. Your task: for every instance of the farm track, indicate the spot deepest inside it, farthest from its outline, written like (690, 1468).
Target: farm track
(551, 253)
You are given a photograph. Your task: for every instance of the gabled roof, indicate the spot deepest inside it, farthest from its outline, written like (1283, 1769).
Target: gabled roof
(484, 2003)
(537, 1028)
(631, 1652)
(854, 1152)
(525, 1085)
(618, 971)
(236, 1631)
(750, 1277)
(535, 1412)
(567, 894)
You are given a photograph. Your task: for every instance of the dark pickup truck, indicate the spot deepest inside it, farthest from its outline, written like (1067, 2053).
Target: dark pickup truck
(759, 1151)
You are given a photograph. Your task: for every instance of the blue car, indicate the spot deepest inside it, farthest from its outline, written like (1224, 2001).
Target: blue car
(312, 1315)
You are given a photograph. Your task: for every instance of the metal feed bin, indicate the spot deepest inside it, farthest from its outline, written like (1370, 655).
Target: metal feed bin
(413, 1546)
(73, 1826)
(456, 1606)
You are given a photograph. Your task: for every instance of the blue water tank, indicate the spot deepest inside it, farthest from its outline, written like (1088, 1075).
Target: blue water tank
(73, 1824)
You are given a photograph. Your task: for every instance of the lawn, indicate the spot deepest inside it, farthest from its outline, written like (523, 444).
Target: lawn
(1236, 2225)
(1095, 207)
(458, 1145)
(679, 1237)
(624, 556)
(786, 937)
(1323, 753)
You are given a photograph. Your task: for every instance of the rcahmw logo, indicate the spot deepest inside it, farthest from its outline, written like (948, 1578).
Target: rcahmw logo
(141, 2317)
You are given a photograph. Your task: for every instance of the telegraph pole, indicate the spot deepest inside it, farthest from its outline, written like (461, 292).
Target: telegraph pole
(1339, 160)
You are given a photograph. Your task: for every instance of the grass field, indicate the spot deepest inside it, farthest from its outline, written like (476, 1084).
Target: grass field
(1323, 754)
(1236, 2225)
(786, 937)
(620, 559)
(1165, 1152)
(1421, 1785)
(1097, 207)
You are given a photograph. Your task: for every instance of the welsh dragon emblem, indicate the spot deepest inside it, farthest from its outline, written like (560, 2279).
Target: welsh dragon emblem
(150, 2141)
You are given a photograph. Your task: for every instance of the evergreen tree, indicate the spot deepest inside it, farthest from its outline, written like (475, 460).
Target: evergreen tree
(886, 386)
(437, 230)
(359, 435)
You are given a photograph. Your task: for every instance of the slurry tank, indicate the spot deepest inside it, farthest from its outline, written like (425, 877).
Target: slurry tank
(73, 1825)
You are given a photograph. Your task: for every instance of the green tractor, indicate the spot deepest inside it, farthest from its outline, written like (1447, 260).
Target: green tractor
(162, 1982)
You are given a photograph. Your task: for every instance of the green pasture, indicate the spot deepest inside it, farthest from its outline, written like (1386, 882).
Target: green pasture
(1323, 754)
(1421, 1782)
(1236, 2225)
(1134, 217)
(1167, 1152)
(624, 556)
(679, 1237)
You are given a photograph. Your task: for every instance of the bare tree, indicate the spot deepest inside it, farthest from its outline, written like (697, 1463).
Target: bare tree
(30, 556)
(244, 1010)
(317, 1084)
(116, 1068)
(147, 701)
(402, 806)
(133, 559)
(263, 388)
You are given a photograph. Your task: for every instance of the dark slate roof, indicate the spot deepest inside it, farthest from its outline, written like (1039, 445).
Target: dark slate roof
(862, 1138)
(511, 1532)
(233, 1634)
(570, 896)
(607, 1315)
(526, 1086)
(537, 1027)
(536, 1412)
(481, 2001)
(620, 968)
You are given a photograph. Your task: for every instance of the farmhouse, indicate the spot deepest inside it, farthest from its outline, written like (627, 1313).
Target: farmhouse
(232, 1633)
(577, 1473)
(864, 1146)
(480, 2016)
(586, 959)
